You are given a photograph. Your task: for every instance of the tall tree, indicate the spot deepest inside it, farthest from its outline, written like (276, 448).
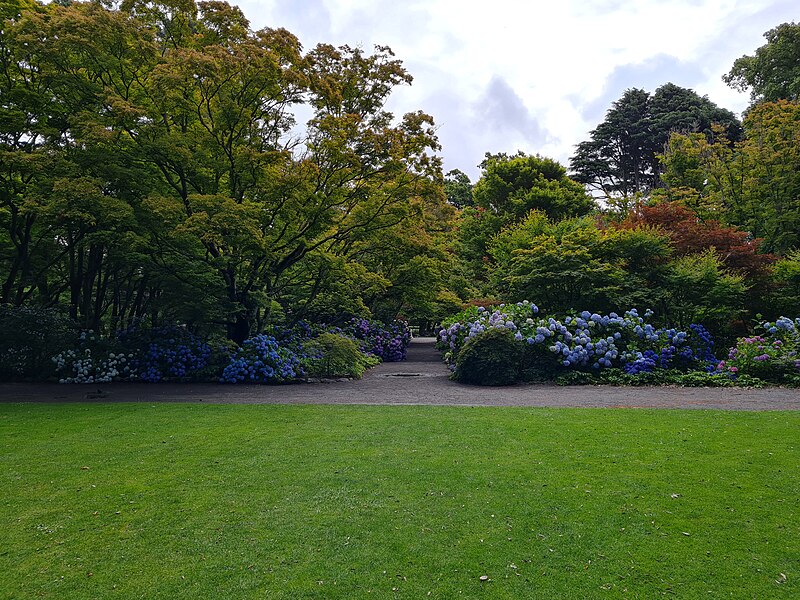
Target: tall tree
(773, 72)
(753, 184)
(510, 187)
(620, 160)
(173, 122)
(458, 188)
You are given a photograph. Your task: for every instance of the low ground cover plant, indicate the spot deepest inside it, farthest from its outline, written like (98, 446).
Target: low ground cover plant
(622, 349)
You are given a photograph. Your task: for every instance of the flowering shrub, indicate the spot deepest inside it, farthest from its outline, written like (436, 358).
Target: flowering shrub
(772, 356)
(587, 341)
(95, 360)
(389, 342)
(284, 354)
(262, 360)
(164, 353)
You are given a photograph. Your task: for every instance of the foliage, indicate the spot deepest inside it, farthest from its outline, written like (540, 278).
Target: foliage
(786, 277)
(574, 263)
(154, 169)
(769, 159)
(753, 184)
(773, 356)
(334, 355)
(458, 188)
(655, 377)
(701, 290)
(511, 187)
(31, 336)
(491, 357)
(619, 161)
(689, 234)
(773, 72)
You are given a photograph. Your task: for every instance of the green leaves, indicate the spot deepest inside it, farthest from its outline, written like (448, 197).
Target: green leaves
(702, 291)
(512, 186)
(620, 158)
(171, 125)
(773, 72)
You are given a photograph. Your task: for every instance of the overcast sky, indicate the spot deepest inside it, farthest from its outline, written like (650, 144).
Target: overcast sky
(537, 76)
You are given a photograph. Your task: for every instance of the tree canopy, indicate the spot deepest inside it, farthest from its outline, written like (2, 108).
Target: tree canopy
(619, 160)
(156, 169)
(773, 72)
(155, 165)
(512, 186)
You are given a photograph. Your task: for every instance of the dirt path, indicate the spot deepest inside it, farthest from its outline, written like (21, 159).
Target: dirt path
(420, 380)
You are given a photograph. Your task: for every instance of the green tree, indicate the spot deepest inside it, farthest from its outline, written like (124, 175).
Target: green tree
(617, 159)
(769, 160)
(753, 184)
(620, 160)
(65, 219)
(512, 186)
(573, 264)
(773, 72)
(157, 167)
(509, 188)
(458, 188)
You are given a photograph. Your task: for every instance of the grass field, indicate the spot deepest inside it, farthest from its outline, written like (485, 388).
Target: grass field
(205, 501)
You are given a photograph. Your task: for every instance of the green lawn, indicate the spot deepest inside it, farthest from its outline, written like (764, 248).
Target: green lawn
(202, 501)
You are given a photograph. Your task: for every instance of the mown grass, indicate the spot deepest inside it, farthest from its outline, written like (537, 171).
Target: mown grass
(209, 501)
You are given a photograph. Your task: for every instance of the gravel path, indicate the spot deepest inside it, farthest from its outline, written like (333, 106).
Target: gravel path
(420, 380)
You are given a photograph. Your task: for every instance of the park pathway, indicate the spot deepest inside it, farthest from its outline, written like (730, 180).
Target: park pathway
(422, 379)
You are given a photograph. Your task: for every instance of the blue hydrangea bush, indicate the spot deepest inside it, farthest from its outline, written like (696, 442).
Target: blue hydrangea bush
(261, 359)
(585, 341)
(173, 353)
(287, 354)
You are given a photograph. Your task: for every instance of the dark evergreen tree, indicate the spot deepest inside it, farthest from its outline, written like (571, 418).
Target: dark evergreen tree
(620, 158)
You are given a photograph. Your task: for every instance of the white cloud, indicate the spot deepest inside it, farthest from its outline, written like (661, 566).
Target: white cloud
(535, 76)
